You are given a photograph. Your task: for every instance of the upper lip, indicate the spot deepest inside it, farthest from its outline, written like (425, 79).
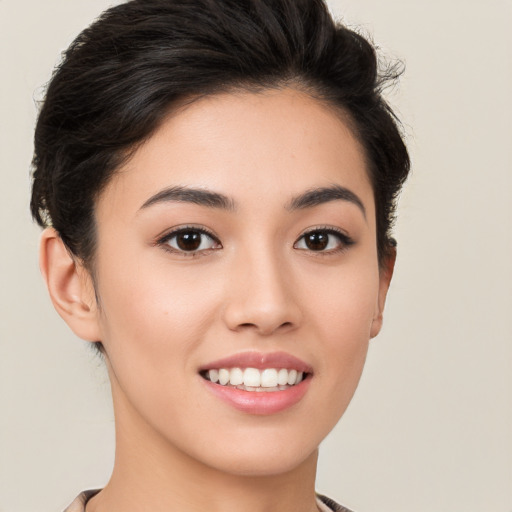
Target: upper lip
(260, 361)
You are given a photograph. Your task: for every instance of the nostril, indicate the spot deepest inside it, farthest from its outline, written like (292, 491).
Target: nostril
(270, 329)
(247, 325)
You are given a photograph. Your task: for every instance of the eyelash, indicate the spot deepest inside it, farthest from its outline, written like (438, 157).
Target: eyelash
(344, 241)
(164, 241)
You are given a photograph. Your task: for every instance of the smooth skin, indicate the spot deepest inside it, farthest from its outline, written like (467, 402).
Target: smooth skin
(254, 283)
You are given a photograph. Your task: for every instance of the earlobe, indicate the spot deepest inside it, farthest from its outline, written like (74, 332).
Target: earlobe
(385, 275)
(69, 285)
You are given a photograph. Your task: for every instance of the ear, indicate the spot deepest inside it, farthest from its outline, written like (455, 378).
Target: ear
(70, 286)
(385, 275)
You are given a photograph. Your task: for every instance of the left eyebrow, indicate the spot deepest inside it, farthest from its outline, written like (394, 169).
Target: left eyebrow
(198, 196)
(318, 196)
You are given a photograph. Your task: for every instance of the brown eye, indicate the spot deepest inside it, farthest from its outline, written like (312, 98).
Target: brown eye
(316, 241)
(323, 240)
(190, 240)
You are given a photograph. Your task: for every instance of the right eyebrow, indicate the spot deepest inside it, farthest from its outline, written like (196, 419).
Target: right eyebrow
(321, 195)
(198, 196)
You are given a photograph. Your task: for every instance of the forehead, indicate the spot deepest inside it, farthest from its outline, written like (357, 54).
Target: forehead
(252, 147)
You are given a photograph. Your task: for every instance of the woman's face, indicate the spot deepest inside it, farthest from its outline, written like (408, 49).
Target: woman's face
(240, 235)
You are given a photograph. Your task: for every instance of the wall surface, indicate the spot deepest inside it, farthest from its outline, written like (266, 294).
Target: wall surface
(430, 427)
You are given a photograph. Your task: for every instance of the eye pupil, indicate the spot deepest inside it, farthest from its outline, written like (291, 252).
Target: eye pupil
(317, 241)
(188, 240)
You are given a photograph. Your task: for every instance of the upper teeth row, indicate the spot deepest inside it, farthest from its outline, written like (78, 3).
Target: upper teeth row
(252, 377)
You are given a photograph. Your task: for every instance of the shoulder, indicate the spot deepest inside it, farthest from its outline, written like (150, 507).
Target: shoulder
(79, 502)
(330, 505)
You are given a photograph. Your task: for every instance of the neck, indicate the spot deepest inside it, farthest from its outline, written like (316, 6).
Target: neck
(151, 474)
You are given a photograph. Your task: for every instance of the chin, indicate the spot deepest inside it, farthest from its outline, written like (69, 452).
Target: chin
(264, 454)
(266, 464)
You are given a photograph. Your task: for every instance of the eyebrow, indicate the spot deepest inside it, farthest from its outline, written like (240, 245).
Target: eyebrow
(318, 196)
(210, 199)
(191, 195)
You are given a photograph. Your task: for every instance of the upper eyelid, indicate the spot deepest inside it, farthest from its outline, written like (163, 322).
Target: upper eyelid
(329, 229)
(344, 238)
(170, 233)
(162, 241)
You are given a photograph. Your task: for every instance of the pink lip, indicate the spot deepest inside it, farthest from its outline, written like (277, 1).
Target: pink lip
(265, 402)
(255, 402)
(260, 361)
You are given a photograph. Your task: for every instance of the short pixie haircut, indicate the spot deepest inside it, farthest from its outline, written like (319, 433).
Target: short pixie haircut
(123, 76)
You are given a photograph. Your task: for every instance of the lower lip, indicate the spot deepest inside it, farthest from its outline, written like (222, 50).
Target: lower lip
(260, 402)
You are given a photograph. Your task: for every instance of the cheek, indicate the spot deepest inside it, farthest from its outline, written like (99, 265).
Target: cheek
(342, 301)
(151, 313)
(343, 315)
(152, 325)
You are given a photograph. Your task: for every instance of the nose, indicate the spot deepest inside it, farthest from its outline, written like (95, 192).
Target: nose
(261, 296)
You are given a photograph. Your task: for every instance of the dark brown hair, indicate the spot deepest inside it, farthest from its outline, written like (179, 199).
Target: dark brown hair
(122, 75)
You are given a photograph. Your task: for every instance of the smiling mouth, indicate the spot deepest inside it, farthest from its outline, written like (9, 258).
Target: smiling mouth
(253, 379)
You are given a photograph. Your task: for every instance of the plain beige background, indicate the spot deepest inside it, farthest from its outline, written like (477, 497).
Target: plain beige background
(430, 428)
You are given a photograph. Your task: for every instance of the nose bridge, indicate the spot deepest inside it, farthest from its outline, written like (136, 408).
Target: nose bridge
(261, 294)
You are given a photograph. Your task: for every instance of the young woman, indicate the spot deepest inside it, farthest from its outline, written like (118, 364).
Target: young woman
(217, 182)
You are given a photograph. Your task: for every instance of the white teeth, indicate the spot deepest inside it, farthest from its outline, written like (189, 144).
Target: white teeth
(282, 377)
(223, 376)
(236, 376)
(292, 375)
(269, 378)
(252, 379)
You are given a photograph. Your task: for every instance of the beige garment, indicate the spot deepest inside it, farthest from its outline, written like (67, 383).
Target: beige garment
(324, 504)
